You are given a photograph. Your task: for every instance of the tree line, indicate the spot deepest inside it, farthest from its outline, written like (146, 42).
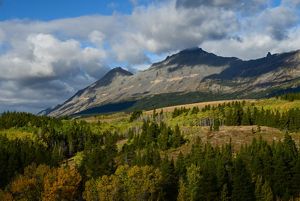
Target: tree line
(237, 114)
(141, 168)
(289, 96)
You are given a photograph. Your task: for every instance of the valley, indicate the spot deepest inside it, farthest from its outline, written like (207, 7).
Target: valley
(150, 100)
(153, 153)
(239, 135)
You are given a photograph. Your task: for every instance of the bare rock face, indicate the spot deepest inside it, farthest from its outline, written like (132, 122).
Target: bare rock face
(191, 70)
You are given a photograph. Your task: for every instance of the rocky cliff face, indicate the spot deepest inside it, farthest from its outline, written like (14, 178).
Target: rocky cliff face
(191, 70)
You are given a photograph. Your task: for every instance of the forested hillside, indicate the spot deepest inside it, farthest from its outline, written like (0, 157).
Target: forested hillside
(241, 150)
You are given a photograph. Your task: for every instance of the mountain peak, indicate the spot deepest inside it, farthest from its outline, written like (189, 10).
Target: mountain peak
(194, 57)
(193, 50)
(111, 75)
(118, 71)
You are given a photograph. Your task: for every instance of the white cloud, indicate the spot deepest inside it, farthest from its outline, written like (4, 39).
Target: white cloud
(97, 38)
(253, 46)
(160, 29)
(2, 36)
(275, 21)
(46, 69)
(43, 55)
(55, 58)
(156, 28)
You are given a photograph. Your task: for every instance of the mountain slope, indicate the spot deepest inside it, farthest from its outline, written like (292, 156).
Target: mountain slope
(188, 76)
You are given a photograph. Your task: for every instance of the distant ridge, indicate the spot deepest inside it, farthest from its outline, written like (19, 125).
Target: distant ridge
(189, 76)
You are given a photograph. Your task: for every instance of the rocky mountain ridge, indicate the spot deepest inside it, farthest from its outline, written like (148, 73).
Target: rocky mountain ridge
(191, 71)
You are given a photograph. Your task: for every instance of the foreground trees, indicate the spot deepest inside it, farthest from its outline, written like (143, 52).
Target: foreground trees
(128, 183)
(144, 168)
(44, 183)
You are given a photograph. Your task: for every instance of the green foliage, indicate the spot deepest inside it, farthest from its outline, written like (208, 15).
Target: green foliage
(236, 114)
(263, 191)
(169, 180)
(179, 111)
(289, 96)
(216, 125)
(22, 119)
(154, 135)
(242, 185)
(142, 169)
(15, 155)
(195, 110)
(135, 115)
(98, 158)
(127, 183)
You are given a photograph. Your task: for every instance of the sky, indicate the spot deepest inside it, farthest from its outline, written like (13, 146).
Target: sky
(49, 49)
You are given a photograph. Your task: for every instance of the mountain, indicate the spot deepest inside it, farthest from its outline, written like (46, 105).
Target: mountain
(189, 76)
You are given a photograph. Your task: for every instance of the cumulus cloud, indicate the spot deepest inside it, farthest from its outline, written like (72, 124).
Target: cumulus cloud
(155, 28)
(47, 61)
(253, 45)
(167, 28)
(275, 21)
(45, 68)
(43, 55)
(97, 38)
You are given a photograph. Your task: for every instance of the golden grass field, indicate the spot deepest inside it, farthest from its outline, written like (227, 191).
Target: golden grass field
(200, 105)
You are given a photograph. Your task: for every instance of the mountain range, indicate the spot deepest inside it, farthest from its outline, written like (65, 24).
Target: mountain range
(191, 75)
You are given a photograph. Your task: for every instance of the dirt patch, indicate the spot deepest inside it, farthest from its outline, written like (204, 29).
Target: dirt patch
(237, 135)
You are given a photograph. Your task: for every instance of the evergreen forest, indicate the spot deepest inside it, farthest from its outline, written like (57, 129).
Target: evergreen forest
(235, 150)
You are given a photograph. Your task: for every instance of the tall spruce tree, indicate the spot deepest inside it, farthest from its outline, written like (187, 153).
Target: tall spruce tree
(243, 189)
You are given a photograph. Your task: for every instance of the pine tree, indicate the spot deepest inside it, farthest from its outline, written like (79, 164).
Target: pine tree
(208, 189)
(193, 178)
(182, 192)
(163, 138)
(177, 138)
(169, 180)
(243, 188)
(296, 179)
(195, 110)
(216, 125)
(180, 166)
(267, 192)
(224, 193)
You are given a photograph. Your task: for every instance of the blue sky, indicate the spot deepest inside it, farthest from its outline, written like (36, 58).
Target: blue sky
(49, 49)
(47, 10)
(55, 9)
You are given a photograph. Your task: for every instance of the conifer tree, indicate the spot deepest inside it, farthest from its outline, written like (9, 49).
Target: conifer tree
(180, 166)
(224, 193)
(216, 125)
(243, 188)
(169, 180)
(182, 192)
(193, 178)
(176, 138)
